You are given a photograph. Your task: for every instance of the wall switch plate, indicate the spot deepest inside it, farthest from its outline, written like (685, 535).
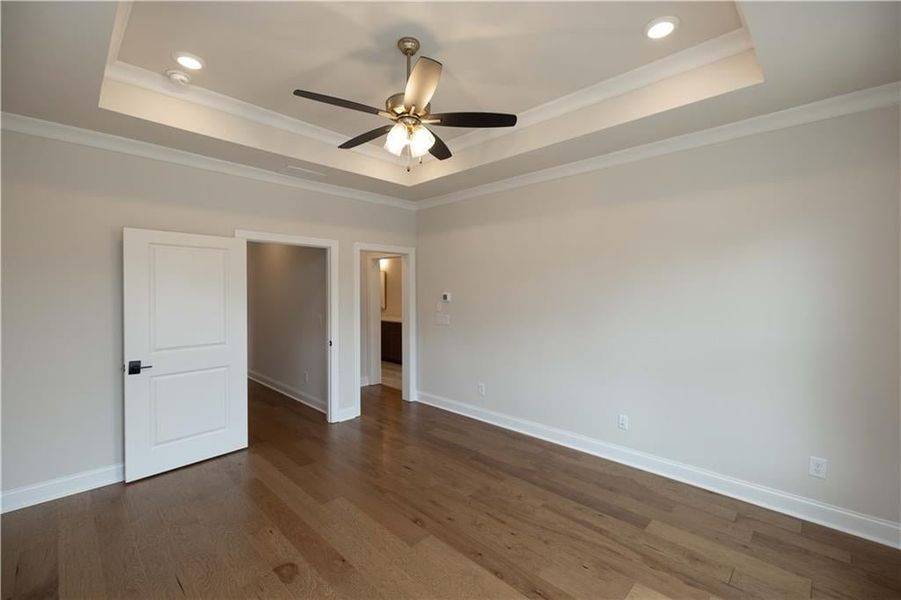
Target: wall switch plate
(306, 377)
(623, 422)
(818, 467)
(442, 319)
(481, 387)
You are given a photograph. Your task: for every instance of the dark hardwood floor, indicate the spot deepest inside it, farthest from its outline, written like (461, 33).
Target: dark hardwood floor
(413, 502)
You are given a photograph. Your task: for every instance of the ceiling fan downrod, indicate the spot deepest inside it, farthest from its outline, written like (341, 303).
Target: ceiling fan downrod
(408, 46)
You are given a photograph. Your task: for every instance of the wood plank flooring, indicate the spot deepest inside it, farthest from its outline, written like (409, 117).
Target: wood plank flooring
(413, 502)
(392, 375)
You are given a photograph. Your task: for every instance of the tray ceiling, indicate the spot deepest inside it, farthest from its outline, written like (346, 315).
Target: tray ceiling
(497, 56)
(581, 76)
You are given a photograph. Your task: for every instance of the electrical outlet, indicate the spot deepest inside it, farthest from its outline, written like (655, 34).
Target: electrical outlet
(482, 390)
(818, 467)
(623, 422)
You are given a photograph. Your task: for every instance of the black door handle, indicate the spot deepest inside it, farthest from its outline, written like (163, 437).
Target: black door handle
(134, 367)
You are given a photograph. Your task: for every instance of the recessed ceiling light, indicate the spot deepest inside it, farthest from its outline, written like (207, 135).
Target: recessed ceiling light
(179, 78)
(661, 27)
(189, 61)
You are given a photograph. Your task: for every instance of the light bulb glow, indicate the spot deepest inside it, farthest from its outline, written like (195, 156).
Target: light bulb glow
(189, 61)
(397, 139)
(420, 142)
(661, 27)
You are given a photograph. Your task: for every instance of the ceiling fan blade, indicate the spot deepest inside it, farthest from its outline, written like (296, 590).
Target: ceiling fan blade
(422, 84)
(366, 137)
(472, 119)
(439, 149)
(340, 102)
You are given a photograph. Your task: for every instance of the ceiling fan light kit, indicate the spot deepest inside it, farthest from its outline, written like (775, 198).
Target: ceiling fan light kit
(397, 139)
(410, 111)
(421, 141)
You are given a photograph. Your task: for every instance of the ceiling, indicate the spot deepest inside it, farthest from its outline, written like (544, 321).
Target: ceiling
(582, 77)
(496, 56)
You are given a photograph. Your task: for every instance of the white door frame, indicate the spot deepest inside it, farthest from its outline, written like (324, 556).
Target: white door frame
(371, 303)
(407, 255)
(331, 258)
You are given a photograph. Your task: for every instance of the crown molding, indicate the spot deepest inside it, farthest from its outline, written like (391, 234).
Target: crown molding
(155, 82)
(120, 24)
(863, 100)
(85, 137)
(705, 53)
(860, 101)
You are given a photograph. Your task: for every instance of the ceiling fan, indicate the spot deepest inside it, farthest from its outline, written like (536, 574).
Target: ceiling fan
(410, 111)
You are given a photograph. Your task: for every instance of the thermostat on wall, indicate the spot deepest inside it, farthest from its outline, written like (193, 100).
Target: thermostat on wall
(445, 296)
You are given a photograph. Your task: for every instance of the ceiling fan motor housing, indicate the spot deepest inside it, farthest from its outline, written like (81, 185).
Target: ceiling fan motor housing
(395, 105)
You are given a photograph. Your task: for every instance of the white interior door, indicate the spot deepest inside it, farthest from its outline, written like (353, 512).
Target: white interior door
(185, 320)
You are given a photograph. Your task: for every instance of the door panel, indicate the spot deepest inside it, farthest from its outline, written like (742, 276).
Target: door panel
(188, 404)
(185, 320)
(188, 320)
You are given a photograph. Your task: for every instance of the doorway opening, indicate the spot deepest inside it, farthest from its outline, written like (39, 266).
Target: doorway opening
(384, 308)
(291, 317)
(382, 323)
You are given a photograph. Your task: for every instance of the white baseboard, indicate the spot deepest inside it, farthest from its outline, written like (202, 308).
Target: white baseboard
(346, 414)
(29, 495)
(364, 381)
(287, 390)
(866, 526)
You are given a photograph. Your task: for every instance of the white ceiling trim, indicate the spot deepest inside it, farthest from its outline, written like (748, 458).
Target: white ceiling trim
(705, 53)
(860, 101)
(709, 52)
(156, 82)
(114, 143)
(120, 24)
(868, 99)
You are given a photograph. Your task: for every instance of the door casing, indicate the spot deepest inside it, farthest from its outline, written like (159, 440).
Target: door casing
(331, 257)
(407, 255)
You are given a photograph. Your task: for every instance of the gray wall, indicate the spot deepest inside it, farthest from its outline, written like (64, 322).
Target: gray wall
(64, 207)
(739, 302)
(286, 319)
